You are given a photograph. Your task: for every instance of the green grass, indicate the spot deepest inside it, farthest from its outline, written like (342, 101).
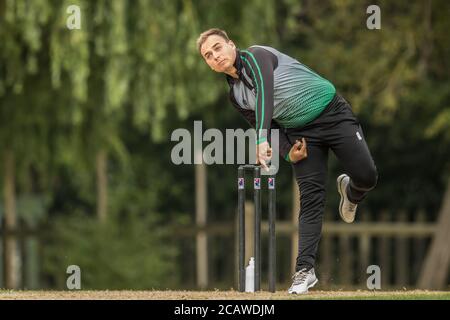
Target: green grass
(385, 296)
(227, 294)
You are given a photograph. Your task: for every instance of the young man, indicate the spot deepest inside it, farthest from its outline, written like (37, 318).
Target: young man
(274, 91)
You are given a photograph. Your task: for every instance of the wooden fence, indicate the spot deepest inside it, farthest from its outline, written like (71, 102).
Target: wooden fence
(394, 241)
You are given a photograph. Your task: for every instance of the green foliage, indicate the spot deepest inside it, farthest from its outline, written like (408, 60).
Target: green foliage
(132, 74)
(20, 36)
(128, 252)
(394, 79)
(376, 69)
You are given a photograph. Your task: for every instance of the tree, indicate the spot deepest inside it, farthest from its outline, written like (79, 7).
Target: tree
(394, 78)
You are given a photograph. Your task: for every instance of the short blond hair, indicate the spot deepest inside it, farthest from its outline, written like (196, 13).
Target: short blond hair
(210, 32)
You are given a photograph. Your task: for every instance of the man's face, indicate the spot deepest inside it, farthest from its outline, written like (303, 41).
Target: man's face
(218, 53)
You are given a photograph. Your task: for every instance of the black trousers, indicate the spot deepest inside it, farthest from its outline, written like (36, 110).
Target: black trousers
(337, 129)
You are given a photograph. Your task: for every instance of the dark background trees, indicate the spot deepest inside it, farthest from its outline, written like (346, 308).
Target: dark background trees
(86, 117)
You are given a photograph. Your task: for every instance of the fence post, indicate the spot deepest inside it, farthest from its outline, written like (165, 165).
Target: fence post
(385, 254)
(345, 256)
(10, 244)
(419, 248)
(200, 219)
(326, 253)
(364, 247)
(401, 255)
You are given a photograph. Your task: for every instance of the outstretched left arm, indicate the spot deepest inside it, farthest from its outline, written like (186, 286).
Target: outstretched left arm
(262, 64)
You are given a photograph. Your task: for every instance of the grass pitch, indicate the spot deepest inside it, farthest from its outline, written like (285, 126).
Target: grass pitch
(222, 295)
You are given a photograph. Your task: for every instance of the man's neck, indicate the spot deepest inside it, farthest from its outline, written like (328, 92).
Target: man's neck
(232, 72)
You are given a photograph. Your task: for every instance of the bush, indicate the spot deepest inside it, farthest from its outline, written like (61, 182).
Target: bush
(123, 253)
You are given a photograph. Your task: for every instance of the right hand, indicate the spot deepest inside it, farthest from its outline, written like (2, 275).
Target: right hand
(263, 155)
(298, 151)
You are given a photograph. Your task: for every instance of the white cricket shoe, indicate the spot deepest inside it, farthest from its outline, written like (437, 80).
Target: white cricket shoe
(347, 209)
(303, 280)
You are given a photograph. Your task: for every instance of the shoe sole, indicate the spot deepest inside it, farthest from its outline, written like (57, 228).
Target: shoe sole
(313, 284)
(310, 286)
(340, 178)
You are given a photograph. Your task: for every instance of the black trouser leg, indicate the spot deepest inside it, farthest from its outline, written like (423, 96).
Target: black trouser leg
(337, 128)
(347, 141)
(355, 157)
(311, 175)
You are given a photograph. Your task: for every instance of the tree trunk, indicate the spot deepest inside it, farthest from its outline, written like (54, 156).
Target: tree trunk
(11, 263)
(2, 9)
(427, 42)
(436, 266)
(102, 185)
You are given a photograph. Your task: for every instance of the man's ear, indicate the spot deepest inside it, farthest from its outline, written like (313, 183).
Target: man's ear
(232, 44)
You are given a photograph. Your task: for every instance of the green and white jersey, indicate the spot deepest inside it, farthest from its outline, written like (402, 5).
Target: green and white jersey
(276, 87)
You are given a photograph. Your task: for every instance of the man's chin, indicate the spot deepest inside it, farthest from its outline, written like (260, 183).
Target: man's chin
(221, 70)
(225, 68)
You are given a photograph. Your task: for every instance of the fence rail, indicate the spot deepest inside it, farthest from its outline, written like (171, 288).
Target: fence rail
(345, 250)
(397, 229)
